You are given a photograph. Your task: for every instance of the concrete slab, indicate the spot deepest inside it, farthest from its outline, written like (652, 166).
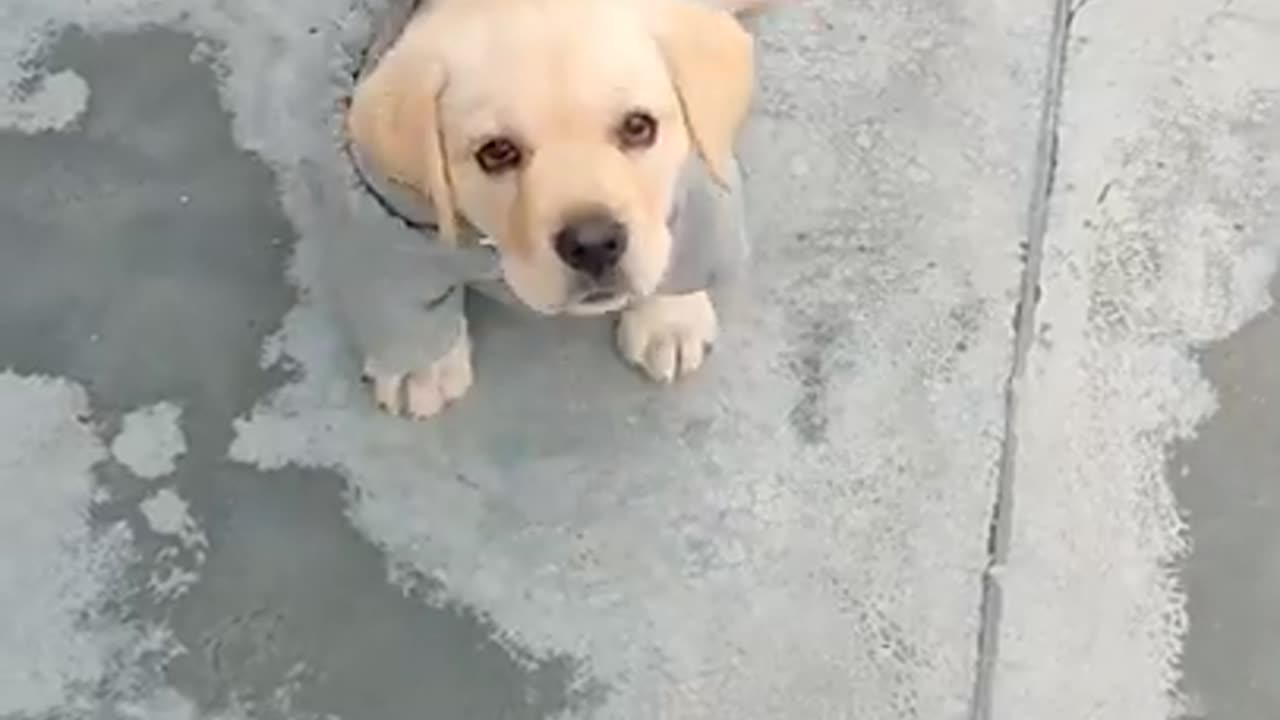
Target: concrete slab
(215, 525)
(799, 532)
(1163, 233)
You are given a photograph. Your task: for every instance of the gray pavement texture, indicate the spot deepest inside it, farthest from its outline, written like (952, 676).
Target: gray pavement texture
(993, 434)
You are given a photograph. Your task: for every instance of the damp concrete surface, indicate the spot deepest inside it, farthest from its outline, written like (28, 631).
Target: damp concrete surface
(992, 432)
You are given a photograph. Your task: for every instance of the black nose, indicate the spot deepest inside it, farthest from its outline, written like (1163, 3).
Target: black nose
(592, 244)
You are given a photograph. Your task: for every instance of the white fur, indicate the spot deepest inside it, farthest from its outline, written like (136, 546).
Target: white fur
(423, 393)
(667, 336)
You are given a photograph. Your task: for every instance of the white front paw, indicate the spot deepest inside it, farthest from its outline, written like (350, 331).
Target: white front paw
(668, 335)
(423, 393)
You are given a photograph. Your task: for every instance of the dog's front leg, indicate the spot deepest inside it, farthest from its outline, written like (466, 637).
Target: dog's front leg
(403, 311)
(424, 392)
(667, 336)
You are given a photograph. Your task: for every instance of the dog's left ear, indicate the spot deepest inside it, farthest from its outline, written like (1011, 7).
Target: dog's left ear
(710, 58)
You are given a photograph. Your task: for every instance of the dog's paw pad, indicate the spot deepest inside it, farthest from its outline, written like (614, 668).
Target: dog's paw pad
(424, 393)
(668, 336)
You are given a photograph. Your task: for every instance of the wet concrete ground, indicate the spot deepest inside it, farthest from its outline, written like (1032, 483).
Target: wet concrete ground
(803, 531)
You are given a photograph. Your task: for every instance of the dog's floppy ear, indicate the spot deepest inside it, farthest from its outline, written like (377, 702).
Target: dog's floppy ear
(394, 122)
(710, 57)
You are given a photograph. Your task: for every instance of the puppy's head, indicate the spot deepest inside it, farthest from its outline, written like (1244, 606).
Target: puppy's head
(559, 128)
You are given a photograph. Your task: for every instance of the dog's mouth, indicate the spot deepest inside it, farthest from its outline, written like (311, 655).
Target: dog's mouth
(599, 297)
(598, 302)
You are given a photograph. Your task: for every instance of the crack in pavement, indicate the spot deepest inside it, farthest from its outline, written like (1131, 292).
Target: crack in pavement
(1045, 169)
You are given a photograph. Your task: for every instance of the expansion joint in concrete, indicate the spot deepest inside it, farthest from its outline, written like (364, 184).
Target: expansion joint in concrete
(1044, 170)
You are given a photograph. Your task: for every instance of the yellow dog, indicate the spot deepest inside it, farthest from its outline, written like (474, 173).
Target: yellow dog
(572, 135)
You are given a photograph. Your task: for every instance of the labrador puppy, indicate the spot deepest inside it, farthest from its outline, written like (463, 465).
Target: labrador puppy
(560, 130)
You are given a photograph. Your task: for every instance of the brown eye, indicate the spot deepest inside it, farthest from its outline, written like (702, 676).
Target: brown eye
(498, 156)
(638, 130)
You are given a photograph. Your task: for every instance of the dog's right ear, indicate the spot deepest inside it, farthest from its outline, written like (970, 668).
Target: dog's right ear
(394, 122)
